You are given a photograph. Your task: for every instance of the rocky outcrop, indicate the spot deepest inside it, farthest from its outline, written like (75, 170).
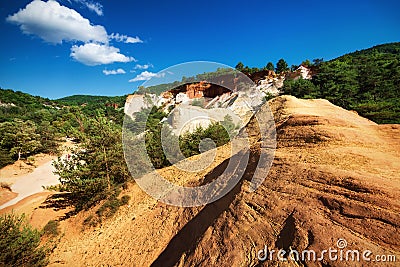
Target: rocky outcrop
(199, 90)
(303, 72)
(7, 105)
(270, 85)
(228, 92)
(201, 103)
(186, 118)
(135, 103)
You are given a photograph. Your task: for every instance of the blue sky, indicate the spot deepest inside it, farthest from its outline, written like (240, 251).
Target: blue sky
(65, 47)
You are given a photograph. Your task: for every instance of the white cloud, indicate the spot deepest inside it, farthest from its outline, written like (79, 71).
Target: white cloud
(55, 23)
(114, 72)
(124, 38)
(146, 75)
(133, 40)
(92, 6)
(92, 54)
(95, 7)
(143, 67)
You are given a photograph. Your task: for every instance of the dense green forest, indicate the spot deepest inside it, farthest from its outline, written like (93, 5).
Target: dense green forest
(28, 125)
(92, 100)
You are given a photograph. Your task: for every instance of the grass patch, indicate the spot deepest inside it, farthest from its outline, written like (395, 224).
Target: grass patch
(107, 210)
(52, 228)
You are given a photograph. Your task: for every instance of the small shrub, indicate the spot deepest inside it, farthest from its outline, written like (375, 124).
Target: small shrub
(5, 186)
(88, 219)
(125, 200)
(111, 206)
(30, 161)
(91, 221)
(20, 243)
(218, 132)
(198, 102)
(51, 228)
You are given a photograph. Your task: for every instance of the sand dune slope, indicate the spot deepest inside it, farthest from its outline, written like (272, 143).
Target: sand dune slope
(335, 176)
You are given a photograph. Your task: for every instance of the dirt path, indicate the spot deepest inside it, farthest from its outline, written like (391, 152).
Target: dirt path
(32, 183)
(27, 180)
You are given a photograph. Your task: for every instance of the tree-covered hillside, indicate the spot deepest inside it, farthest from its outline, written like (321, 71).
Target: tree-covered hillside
(32, 124)
(26, 126)
(92, 99)
(112, 106)
(367, 81)
(21, 105)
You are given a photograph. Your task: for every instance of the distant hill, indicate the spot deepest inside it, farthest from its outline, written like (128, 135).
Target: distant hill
(390, 48)
(91, 99)
(16, 104)
(20, 99)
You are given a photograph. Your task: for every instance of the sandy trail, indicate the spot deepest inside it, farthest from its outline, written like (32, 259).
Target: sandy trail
(32, 183)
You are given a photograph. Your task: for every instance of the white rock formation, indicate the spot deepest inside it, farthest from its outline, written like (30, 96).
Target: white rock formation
(186, 118)
(7, 105)
(246, 103)
(240, 106)
(181, 98)
(135, 103)
(305, 72)
(271, 85)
